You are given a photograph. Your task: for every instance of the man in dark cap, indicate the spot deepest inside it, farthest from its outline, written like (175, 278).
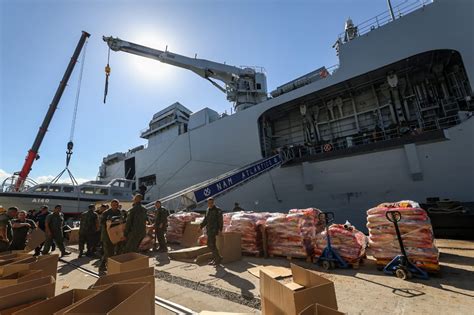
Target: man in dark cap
(214, 223)
(88, 231)
(54, 225)
(135, 228)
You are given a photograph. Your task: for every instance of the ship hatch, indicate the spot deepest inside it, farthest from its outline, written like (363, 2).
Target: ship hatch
(416, 97)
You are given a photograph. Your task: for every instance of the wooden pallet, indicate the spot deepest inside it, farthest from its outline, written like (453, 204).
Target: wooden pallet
(290, 258)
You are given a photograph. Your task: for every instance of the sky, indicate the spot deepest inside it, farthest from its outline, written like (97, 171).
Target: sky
(37, 39)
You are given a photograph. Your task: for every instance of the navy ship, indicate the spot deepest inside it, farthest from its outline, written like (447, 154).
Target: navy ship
(392, 121)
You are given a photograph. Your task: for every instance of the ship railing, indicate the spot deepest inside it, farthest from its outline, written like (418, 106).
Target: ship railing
(299, 149)
(385, 17)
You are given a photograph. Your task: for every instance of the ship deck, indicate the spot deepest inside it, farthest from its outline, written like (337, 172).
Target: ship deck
(365, 290)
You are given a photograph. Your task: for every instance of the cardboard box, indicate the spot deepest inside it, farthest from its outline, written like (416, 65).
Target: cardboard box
(15, 255)
(26, 292)
(275, 272)
(14, 309)
(35, 239)
(116, 232)
(229, 245)
(118, 299)
(47, 263)
(318, 309)
(191, 233)
(278, 299)
(188, 254)
(58, 304)
(126, 262)
(127, 275)
(19, 277)
(222, 313)
(73, 236)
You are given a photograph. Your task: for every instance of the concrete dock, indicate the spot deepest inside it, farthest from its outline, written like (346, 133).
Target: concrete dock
(359, 291)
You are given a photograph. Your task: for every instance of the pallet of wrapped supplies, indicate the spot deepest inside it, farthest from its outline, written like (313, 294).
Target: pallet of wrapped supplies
(227, 217)
(247, 223)
(415, 228)
(348, 242)
(285, 236)
(176, 224)
(310, 226)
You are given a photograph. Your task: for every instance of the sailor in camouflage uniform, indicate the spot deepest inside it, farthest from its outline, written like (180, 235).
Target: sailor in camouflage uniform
(161, 223)
(135, 228)
(109, 249)
(88, 231)
(214, 223)
(54, 231)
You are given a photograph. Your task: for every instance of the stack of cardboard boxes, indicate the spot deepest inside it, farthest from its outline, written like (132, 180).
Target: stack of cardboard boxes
(27, 286)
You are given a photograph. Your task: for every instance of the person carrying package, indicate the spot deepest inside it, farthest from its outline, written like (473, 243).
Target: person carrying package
(135, 228)
(21, 227)
(6, 232)
(161, 224)
(54, 225)
(88, 231)
(109, 249)
(40, 219)
(214, 223)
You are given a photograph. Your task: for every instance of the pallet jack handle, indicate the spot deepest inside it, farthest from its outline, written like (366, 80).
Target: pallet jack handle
(394, 217)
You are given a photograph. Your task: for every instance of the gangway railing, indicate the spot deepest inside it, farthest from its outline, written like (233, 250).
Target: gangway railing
(197, 194)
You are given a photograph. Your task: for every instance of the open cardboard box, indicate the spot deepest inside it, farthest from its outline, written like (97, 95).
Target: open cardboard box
(318, 309)
(229, 245)
(126, 262)
(19, 277)
(306, 289)
(188, 254)
(26, 292)
(118, 299)
(127, 275)
(58, 304)
(192, 231)
(35, 239)
(47, 263)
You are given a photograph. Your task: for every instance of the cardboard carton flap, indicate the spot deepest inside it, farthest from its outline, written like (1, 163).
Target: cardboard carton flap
(118, 277)
(58, 303)
(123, 298)
(294, 286)
(127, 257)
(318, 309)
(26, 292)
(25, 285)
(307, 278)
(273, 271)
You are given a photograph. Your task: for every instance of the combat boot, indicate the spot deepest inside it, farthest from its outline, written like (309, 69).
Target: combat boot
(65, 253)
(81, 253)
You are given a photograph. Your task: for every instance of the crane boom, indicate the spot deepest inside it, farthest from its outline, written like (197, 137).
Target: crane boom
(33, 152)
(243, 86)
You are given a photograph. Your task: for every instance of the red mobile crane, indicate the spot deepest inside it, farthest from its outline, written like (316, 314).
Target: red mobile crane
(33, 152)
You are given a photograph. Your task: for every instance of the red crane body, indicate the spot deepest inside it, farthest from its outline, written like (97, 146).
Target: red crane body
(33, 152)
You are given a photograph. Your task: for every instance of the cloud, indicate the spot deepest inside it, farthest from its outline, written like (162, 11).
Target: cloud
(3, 175)
(44, 179)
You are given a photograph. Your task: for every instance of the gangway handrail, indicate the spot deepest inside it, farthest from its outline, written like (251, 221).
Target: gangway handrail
(194, 195)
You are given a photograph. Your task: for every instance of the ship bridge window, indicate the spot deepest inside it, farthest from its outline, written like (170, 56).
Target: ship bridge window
(41, 189)
(101, 191)
(119, 184)
(54, 188)
(68, 189)
(87, 190)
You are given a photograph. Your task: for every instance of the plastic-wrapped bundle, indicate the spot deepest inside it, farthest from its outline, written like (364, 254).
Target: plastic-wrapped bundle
(285, 235)
(415, 228)
(247, 223)
(176, 223)
(310, 226)
(348, 242)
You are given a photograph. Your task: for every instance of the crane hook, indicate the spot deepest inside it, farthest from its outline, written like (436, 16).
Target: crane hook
(107, 74)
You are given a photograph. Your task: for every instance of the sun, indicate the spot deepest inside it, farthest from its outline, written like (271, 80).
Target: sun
(152, 70)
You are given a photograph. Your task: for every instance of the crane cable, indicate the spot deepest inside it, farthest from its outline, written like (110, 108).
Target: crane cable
(70, 144)
(107, 74)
